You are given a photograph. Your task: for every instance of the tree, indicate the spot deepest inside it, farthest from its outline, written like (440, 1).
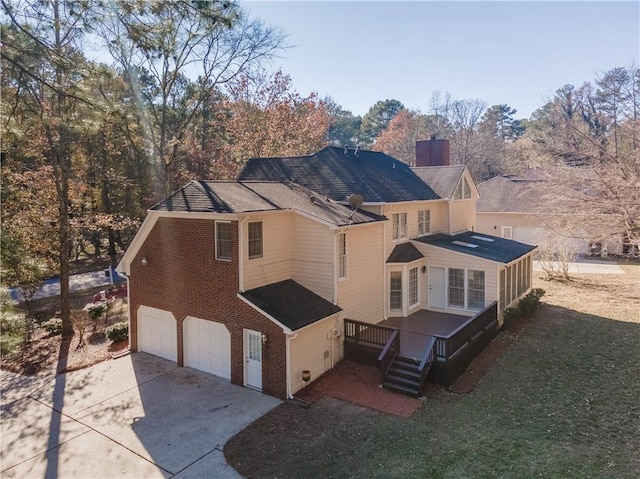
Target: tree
(156, 43)
(42, 59)
(344, 127)
(399, 138)
(377, 120)
(499, 121)
(588, 137)
(269, 118)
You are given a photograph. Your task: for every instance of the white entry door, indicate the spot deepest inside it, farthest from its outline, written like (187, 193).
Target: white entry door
(253, 359)
(437, 297)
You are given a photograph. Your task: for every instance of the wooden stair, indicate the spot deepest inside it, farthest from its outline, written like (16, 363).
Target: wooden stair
(403, 377)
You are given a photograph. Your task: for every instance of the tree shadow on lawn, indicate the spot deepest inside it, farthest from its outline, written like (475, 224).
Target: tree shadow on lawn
(561, 401)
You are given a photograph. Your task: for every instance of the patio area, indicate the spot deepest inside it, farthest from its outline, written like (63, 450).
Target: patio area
(417, 328)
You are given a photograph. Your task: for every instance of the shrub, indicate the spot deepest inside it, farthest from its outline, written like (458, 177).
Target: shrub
(511, 314)
(15, 327)
(53, 325)
(526, 306)
(95, 310)
(118, 331)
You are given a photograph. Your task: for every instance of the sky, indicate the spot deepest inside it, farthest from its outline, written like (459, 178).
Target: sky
(513, 52)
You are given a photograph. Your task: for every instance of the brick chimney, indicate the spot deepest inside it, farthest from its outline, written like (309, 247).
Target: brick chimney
(432, 152)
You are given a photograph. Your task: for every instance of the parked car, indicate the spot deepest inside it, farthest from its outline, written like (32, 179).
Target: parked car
(113, 292)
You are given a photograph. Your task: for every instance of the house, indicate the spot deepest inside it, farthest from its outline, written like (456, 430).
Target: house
(525, 209)
(271, 279)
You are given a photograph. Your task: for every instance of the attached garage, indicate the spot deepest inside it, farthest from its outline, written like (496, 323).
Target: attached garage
(207, 347)
(157, 333)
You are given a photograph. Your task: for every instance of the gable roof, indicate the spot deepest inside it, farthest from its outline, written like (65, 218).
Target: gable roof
(404, 253)
(510, 194)
(245, 197)
(442, 179)
(339, 172)
(290, 303)
(484, 246)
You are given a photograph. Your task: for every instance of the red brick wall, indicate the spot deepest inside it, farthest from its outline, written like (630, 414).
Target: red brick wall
(183, 276)
(432, 153)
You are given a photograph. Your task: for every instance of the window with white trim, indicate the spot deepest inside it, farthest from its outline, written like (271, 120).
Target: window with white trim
(462, 191)
(507, 232)
(395, 291)
(424, 222)
(342, 255)
(255, 239)
(413, 286)
(475, 291)
(223, 240)
(399, 225)
(456, 288)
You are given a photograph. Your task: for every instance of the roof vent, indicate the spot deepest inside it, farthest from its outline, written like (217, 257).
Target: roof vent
(483, 238)
(355, 153)
(465, 244)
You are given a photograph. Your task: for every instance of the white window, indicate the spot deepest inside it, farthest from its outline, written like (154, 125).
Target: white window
(399, 225)
(463, 190)
(413, 286)
(507, 232)
(475, 294)
(395, 291)
(342, 255)
(255, 239)
(456, 288)
(223, 240)
(424, 222)
(466, 289)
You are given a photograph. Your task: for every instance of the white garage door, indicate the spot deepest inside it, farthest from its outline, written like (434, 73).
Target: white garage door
(207, 347)
(157, 333)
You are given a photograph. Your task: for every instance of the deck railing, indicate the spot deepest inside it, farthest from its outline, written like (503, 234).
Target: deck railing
(371, 334)
(389, 352)
(447, 346)
(428, 359)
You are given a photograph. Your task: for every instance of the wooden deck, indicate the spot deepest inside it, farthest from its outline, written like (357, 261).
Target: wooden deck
(418, 328)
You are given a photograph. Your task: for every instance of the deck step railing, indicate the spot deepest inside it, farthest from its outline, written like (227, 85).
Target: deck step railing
(448, 346)
(389, 353)
(428, 358)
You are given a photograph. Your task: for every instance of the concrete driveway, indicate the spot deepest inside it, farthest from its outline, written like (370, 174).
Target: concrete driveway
(138, 416)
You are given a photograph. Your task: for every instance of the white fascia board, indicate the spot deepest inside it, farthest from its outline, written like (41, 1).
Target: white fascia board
(265, 314)
(530, 253)
(331, 316)
(418, 244)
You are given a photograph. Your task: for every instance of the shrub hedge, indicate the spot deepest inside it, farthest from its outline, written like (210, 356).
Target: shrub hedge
(118, 331)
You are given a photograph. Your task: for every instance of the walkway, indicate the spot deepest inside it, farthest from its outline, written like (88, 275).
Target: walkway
(359, 384)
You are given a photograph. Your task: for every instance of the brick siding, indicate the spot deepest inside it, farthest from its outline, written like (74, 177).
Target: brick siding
(183, 276)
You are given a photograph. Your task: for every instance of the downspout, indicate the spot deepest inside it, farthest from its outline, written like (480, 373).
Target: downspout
(288, 360)
(384, 266)
(242, 220)
(449, 203)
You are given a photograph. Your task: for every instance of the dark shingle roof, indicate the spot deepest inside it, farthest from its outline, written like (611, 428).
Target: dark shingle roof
(491, 247)
(291, 304)
(404, 253)
(244, 197)
(508, 194)
(333, 173)
(443, 179)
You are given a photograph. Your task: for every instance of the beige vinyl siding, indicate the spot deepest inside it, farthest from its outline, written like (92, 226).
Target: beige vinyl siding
(463, 215)
(275, 263)
(361, 295)
(315, 348)
(450, 259)
(439, 220)
(312, 256)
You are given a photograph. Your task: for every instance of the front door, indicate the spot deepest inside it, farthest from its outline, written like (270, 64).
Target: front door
(253, 359)
(437, 297)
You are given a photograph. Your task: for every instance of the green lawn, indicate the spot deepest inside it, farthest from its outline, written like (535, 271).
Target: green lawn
(562, 401)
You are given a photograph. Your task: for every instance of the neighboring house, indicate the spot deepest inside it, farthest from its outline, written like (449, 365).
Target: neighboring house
(524, 209)
(270, 280)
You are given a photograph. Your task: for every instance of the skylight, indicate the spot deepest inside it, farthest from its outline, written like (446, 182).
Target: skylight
(467, 245)
(483, 238)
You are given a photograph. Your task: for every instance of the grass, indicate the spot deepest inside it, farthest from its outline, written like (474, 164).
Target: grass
(561, 402)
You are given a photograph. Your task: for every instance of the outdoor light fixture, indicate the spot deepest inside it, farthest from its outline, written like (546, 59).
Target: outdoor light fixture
(306, 376)
(264, 338)
(424, 269)
(145, 261)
